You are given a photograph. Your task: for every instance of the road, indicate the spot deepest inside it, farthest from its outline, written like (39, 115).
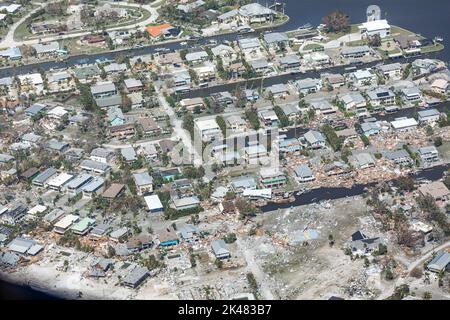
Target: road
(254, 267)
(178, 132)
(9, 40)
(419, 262)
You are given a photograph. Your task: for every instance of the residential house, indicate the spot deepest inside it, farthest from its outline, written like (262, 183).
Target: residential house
(278, 90)
(308, 85)
(353, 100)
(428, 116)
(315, 139)
(304, 173)
(115, 116)
(185, 203)
(440, 86)
(391, 71)
(413, 94)
(381, 96)
(428, 154)
(437, 190)
(208, 129)
(154, 204)
(289, 62)
(102, 155)
(356, 52)
(364, 77)
(404, 124)
(272, 178)
(269, 118)
(371, 28)
(220, 249)
(144, 182)
(276, 40)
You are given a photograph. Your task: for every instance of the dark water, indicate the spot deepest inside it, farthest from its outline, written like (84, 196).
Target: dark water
(429, 18)
(10, 291)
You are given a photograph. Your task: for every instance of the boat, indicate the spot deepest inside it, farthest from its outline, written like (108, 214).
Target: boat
(438, 39)
(183, 43)
(306, 26)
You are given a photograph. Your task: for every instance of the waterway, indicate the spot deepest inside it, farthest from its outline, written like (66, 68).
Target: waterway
(429, 18)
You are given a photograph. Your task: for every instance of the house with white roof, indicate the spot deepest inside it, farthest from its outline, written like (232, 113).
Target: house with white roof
(371, 28)
(404, 124)
(208, 129)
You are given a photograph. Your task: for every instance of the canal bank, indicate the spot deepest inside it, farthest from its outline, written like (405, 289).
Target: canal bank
(324, 194)
(428, 18)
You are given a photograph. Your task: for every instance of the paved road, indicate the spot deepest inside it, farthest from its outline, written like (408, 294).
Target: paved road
(9, 40)
(419, 262)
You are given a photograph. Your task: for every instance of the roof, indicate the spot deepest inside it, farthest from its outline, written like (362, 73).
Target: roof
(44, 176)
(60, 179)
(314, 136)
(94, 165)
(436, 189)
(194, 56)
(255, 9)
(206, 124)
(103, 87)
(79, 180)
(275, 37)
(404, 123)
(428, 113)
(114, 190)
(380, 93)
(390, 67)
(397, 154)
(364, 159)
(67, 221)
(36, 108)
(187, 201)
(83, 224)
(142, 178)
(303, 171)
(249, 43)
(156, 31)
(54, 215)
(131, 83)
(375, 25)
(440, 261)
(94, 184)
(244, 182)
(6, 157)
(46, 47)
(119, 233)
(20, 245)
(135, 276)
(101, 152)
(354, 50)
(153, 202)
(128, 153)
(115, 113)
(219, 247)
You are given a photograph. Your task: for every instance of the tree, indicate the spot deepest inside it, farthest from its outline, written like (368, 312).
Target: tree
(336, 21)
(222, 125)
(188, 124)
(252, 117)
(230, 238)
(375, 40)
(284, 120)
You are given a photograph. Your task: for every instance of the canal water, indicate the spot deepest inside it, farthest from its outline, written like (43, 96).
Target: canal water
(9, 291)
(429, 18)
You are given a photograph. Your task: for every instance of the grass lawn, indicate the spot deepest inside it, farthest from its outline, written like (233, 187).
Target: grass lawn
(313, 46)
(336, 35)
(432, 48)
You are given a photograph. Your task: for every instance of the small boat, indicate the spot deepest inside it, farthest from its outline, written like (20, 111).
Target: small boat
(438, 39)
(306, 26)
(183, 43)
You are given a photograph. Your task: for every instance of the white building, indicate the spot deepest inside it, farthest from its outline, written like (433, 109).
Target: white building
(208, 129)
(371, 28)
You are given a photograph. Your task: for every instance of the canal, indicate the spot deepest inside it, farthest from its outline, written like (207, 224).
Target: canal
(430, 18)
